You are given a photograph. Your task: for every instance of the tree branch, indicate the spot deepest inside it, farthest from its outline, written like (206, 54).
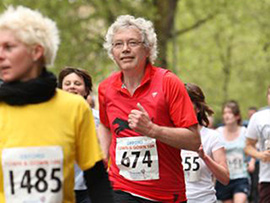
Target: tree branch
(194, 26)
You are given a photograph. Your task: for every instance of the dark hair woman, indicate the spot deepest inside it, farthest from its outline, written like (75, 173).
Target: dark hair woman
(209, 160)
(82, 80)
(233, 135)
(78, 81)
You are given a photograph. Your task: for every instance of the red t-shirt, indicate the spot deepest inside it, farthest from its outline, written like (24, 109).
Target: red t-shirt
(140, 166)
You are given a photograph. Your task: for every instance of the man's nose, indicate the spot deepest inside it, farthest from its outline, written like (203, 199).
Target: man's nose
(126, 47)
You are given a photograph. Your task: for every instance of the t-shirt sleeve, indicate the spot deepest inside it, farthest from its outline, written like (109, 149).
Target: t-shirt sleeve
(243, 133)
(180, 105)
(88, 151)
(102, 107)
(216, 141)
(252, 128)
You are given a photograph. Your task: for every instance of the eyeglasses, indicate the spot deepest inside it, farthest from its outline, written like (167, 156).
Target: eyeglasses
(130, 43)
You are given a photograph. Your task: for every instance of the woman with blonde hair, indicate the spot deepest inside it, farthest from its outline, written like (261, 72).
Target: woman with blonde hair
(43, 130)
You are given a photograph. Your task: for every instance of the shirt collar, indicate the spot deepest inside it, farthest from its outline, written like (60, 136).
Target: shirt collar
(149, 71)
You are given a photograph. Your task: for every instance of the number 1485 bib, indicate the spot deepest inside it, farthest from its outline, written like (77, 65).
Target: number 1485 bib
(137, 158)
(33, 174)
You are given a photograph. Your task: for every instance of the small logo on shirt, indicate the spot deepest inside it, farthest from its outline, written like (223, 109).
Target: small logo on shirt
(154, 94)
(122, 125)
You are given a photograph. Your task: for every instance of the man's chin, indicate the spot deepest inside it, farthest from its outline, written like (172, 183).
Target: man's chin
(127, 67)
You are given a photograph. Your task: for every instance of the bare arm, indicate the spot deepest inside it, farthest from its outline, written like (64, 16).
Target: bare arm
(181, 138)
(105, 137)
(217, 165)
(251, 165)
(252, 151)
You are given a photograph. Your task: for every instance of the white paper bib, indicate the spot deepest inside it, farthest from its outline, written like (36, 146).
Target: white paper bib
(33, 174)
(192, 165)
(137, 158)
(235, 163)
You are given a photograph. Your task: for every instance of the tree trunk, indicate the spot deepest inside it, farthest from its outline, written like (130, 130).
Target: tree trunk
(164, 23)
(225, 58)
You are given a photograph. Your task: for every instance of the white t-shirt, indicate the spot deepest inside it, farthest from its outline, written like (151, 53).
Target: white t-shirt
(235, 154)
(198, 178)
(259, 129)
(79, 178)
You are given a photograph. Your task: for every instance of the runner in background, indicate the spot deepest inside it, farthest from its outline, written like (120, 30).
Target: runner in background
(209, 161)
(78, 81)
(259, 132)
(146, 117)
(251, 111)
(233, 135)
(43, 130)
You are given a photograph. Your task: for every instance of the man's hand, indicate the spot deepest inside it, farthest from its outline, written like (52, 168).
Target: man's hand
(140, 122)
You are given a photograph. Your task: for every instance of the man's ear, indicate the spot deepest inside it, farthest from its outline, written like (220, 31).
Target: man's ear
(37, 52)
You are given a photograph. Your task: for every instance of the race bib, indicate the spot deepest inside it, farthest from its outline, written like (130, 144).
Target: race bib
(235, 163)
(137, 158)
(191, 165)
(33, 174)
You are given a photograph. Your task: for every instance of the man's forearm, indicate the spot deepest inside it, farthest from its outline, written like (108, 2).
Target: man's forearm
(181, 138)
(252, 151)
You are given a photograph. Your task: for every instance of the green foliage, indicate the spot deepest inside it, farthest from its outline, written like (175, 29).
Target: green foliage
(233, 44)
(222, 45)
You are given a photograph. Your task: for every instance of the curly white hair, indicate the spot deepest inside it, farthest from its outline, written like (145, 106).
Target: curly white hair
(146, 28)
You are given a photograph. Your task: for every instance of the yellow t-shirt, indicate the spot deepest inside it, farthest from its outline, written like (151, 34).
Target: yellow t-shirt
(39, 144)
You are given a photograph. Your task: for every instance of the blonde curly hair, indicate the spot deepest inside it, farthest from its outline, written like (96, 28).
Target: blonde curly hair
(31, 28)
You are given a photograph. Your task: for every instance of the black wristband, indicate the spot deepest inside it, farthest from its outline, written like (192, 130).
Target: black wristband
(98, 184)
